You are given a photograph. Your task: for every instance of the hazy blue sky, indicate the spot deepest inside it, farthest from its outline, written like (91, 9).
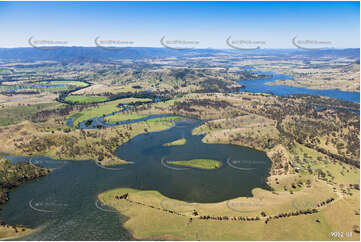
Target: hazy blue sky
(210, 23)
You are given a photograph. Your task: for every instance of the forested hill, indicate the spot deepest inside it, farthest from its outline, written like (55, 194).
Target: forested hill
(80, 54)
(93, 53)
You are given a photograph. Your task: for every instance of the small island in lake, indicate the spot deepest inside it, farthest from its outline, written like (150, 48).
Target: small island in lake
(199, 163)
(176, 142)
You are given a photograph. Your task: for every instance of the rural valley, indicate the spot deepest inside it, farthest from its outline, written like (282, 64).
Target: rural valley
(186, 138)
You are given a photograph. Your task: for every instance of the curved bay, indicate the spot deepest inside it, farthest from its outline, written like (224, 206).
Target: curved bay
(65, 200)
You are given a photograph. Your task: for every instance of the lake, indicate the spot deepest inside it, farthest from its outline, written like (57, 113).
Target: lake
(260, 86)
(63, 203)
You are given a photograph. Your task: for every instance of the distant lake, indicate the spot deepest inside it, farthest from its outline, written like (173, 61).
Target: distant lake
(260, 86)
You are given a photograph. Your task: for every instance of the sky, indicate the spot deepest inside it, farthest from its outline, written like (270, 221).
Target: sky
(206, 24)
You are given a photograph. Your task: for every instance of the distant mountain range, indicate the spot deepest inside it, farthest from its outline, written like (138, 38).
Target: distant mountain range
(95, 54)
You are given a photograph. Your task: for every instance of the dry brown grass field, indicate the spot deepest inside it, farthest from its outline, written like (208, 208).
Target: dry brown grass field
(302, 227)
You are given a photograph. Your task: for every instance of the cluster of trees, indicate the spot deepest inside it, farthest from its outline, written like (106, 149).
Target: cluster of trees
(124, 196)
(297, 213)
(90, 144)
(188, 106)
(215, 85)
(355, 186)
(11, 93)
(5, 225)
(326, 202)
(302, 123)
(341, 158)
(45, 115)
(203, 80)
(226, 218)
(12, 175)
(300, 212)
(281, 215)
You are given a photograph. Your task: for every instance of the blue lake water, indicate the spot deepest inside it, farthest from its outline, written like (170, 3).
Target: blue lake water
(63, 204)
(259, 86)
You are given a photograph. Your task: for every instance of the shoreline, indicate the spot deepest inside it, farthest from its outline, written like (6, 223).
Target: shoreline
(291, 83)
(148, 205)
(17, 231)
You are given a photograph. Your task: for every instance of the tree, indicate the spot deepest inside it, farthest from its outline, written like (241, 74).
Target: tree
(356, 229)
